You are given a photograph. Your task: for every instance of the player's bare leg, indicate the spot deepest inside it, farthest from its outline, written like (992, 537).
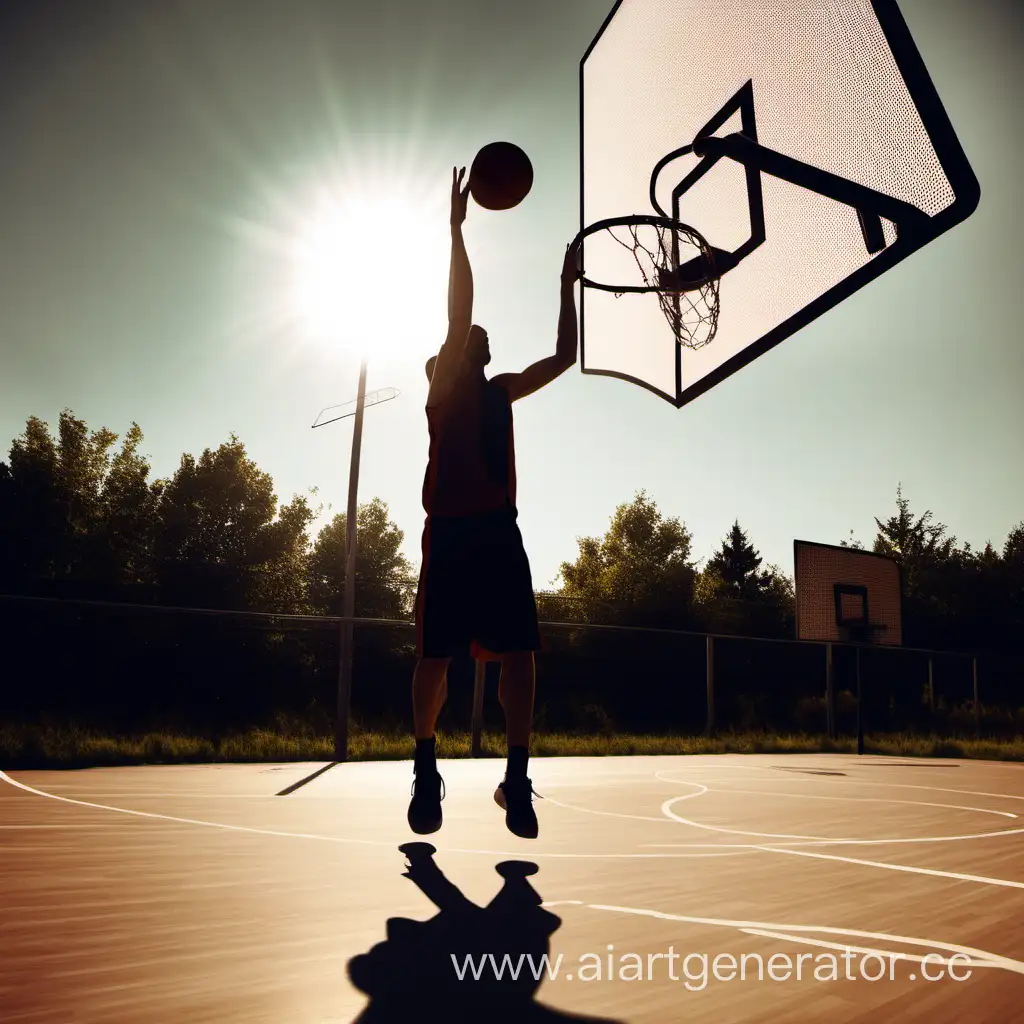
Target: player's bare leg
(429, 691)
(516, 694)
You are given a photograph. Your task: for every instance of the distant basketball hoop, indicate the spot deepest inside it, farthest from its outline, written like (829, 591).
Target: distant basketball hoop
(853, 615)
(846, 595)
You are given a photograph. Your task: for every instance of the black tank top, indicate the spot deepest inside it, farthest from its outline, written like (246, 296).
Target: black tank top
(471, 467)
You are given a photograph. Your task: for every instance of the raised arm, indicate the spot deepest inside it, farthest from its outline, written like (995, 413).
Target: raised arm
(423, 870)
(546, 370)
(460, 300)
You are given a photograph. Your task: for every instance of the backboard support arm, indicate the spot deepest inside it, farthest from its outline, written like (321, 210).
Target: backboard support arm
(869, 204)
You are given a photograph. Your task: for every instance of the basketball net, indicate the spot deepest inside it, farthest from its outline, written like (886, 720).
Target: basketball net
(678, 265)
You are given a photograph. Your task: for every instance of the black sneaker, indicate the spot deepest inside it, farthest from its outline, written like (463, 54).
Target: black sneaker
(515, 797)
(425, 807)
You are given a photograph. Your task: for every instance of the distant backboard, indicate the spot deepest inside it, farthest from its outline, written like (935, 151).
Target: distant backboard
(845, 594)
(794, 89)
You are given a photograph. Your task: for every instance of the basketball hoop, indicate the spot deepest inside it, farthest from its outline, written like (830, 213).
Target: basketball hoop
(673, 261)
(851, 605)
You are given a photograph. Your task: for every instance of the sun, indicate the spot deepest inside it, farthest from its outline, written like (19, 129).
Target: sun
(370, 271)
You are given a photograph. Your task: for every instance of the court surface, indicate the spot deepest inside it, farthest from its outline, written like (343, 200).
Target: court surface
(195, 893)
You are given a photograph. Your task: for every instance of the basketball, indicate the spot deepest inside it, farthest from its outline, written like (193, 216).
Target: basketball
(501, 176)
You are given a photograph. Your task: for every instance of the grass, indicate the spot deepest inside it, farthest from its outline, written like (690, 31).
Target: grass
(67, 745)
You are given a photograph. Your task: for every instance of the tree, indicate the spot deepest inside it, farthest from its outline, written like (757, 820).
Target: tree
(70, 511)
(1012, 582)
(1013, 549)
(639, 573)
(931, 569)
(278, 583)
(218, 543)
(737, 563)
(29, 511)
(918, 545)
(952, 596)
(735, 596)
(382, 571)
(126, 527)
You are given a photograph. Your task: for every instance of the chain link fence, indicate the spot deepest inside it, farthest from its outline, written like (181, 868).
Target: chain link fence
(126, 666)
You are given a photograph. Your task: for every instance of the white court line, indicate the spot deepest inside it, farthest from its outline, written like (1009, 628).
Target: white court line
(391, 843)
(868, 800)
(192, 795)
(801, 840)
(940, 789)
(701, 790)
(14, 828)
(608, 814)
(919, 958)
(735, 849)
(847, 781)
(666, 809)
(787, 847)
(979, 957)
(957, 875)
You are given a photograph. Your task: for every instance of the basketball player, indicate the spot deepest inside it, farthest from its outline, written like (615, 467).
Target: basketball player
(475, 590)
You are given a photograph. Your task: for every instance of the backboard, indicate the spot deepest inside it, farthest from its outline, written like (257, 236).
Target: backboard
(846, 594)
(795, 90)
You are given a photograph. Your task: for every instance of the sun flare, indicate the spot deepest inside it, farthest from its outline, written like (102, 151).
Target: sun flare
(370, 273)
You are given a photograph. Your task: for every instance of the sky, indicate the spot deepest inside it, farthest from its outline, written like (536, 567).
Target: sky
(158, 161)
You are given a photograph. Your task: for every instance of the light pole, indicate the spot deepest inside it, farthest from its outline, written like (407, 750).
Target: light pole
(348, 595)
(339, 290)
(348, 598)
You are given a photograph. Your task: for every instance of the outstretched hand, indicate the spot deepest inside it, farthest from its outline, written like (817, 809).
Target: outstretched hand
(459, 196)
(572, 264)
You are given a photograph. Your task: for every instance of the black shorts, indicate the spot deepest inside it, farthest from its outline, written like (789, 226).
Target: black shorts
(475, 592)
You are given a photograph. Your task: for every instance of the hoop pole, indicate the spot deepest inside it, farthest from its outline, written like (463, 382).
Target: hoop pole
(860, 701)
(977, 703)
(830, 694)
(709, 659)
(348, 600)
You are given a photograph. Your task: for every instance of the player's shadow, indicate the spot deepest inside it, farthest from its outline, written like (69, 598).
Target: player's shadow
(414, 975)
